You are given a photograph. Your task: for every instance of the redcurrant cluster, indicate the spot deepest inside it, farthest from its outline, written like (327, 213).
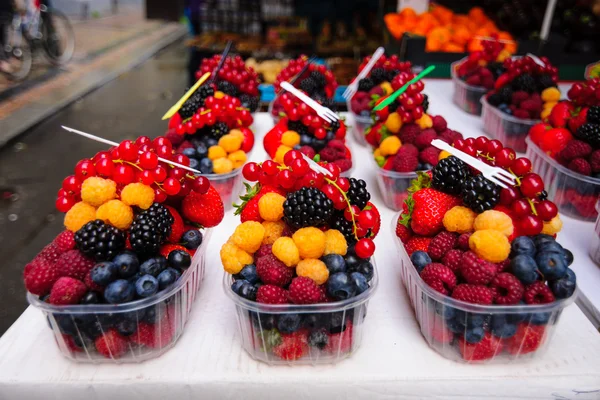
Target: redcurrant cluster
(526, 65)
(295, 66)
(527, 201)
(134, 161)
(585, 93)
(391, 63)
(234, 71)
(410, 103)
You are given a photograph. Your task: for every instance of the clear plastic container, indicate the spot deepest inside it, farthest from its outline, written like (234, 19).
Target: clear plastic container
(509, 130)
(573, 193)
(273, 111)
(228, 185)
(342, 320)
(393, 186)
(595, 245)
(467, 97)
(358, 125)
(446, 323)
(160, 319)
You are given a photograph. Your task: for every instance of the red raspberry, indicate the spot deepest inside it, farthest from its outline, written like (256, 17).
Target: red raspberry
(308, 151)
(439, 277)
(304, 290)
(575, 149)
(441, 244)
(476, 294)
(337, 145)
(538, 293)
(474, 80)
(520, 113)
(184, 145)
(274, 272)
(111, 344)
(70, 342)
(328, 154)
(595, 161)
(439, 123)
(429, 155)
(174, 137)
(154, 336)
(340, 343)
(581, 166)
(518, 97)
(403, 233)
(343, 164)
(67, 291)
(264, 250)
(424, 139)
(452, 259)
(51, 253)
(484, 350)
(475, 270)
(271, 294)
(65, 241)
(503, 266)
(406, 160)
(417, 243)
(509, 290)
(408, 133)
(292, 346)
(74, 264)
(40, 276)
(530, 106)
(450, 136)
(91, 284)
(527, 339)
(463, 241)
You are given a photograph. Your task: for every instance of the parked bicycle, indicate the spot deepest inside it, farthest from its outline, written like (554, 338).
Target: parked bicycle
(39, 27)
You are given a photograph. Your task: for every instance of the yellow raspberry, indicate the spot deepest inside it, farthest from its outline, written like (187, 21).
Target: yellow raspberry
(549, 105)
(459, 219)
(424, 122)
(387, 87)
(335, 243)
(496, 220)
(230, 143)
(313, 269)
(551, 94)
(222, 165)
(238, 133)
(80, 214)
(281, 150)
(443, 154)
(393, 122)
(96, 191)
(504, 54)
(215, 152)
(237, 158)
(377, 154)
(286, 251)
(290, 139)
(390, 146)
(553, 226)
(270, 207)
(218, 94)
(545, 113)
(249, 235)
(115, 213)
(234, 259)
(273, 231)
(491, 245)
(310, 242)
(138, 194)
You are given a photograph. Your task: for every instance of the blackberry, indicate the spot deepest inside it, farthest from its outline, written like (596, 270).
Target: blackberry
(99, 240)
(479, 194)
(319, 79)
(449, 175)
(589, 133)
(365, 85)
(357, 193)
(425, 103)
(250, 102)
(340, 223)
(196, 101)
(322, 98)
(309, 86)
(378, 75)
(218, 130)
(307, 207)
(593, 115)
(394, 106)
(495, 99)
(505, 94)
(390, 75)
(496, 68)
(524, 82)
(298, 127)
(335, 125)
(227, 88)
(150, 229)
(544, 81)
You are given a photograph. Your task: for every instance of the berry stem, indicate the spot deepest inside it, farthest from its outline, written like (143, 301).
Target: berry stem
(347, 202)
(532, 206)
(129, 163)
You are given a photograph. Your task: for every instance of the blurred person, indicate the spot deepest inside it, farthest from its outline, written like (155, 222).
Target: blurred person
(8, 8)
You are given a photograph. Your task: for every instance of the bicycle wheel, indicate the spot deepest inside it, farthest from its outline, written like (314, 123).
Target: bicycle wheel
(58, 38)
(18, 55)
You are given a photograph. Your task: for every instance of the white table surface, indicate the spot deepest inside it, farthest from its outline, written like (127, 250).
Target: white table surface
(394, 361)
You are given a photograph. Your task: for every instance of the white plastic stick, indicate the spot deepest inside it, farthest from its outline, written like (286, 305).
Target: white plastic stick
(316, 167)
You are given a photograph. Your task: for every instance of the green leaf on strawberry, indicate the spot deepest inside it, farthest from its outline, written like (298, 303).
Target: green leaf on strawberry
(251, 191)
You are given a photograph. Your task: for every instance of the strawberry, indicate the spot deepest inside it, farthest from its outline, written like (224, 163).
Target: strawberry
(429, 209)
(538, 131)
(560, 114)
(417, 243)
(292, 346)
(40, 276)
(177, 227)
(165, 249)
(204, 209)
(389, 164)
(501, 81)
(304, 290)
(402, 232)
(375, 134)
(272, 139)
(438, 329)
(248, 210)
(111, 344)
(340, 343)
(248, 142)
(527, 339)
(67, 291)
(555, 140)
(484, 350)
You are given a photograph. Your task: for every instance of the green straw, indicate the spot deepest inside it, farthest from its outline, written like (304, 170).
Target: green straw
(392, 97)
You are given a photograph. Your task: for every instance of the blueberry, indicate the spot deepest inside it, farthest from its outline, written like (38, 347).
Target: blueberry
(420, 260)
(235, 286)
(525, 268)
(318, 339)
(336, 322)
(446, 312)
(289, 323)
(352, 261)
(568, 256)
(502, 328)
(146, 286)
(340, 286)
(83, 341)
(93, 328)
(474, 335)
(194, 163)
(565, 286)
(359, 281)
(540, 318)
(65, 323)
(476, 320)
(551, 265)
(153, 266)
(90, 298)
(126, 327)
(455, 326)
(247, 291)
(420, 167)
(119, 291)
(192, 239)
(179, 259)
(365, 268)
(248, 273)
(263, 321)
(150, 314)
(305, 140)
(206, 166)
(201, 150)
(167, 277)
(209, 141)
(542, 238)
(335, 263)
(550, 247)
(522, 245)
(127, 264)
(427, 167)
(312, 321)
(104, 273)
(189, 152)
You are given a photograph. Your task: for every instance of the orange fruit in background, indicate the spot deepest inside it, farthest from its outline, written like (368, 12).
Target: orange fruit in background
(441, 34)
(443, 14)
(477, 14)
(474, 45)
(408, 13)
(461, 35)
(453, 48)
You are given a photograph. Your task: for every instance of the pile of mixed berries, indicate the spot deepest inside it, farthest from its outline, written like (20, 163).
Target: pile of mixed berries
(479, 243)
(526, 90)
(302, 129)
(306, 237)
(235, 79)
(132, 224)
(481, 68)
(378, 83)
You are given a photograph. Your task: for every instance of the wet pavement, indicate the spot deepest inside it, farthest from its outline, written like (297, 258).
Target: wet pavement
(33, 166)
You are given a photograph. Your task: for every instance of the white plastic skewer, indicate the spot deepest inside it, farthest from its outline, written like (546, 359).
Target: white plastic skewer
(351, 89)
(316, 167)
(111, 143)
